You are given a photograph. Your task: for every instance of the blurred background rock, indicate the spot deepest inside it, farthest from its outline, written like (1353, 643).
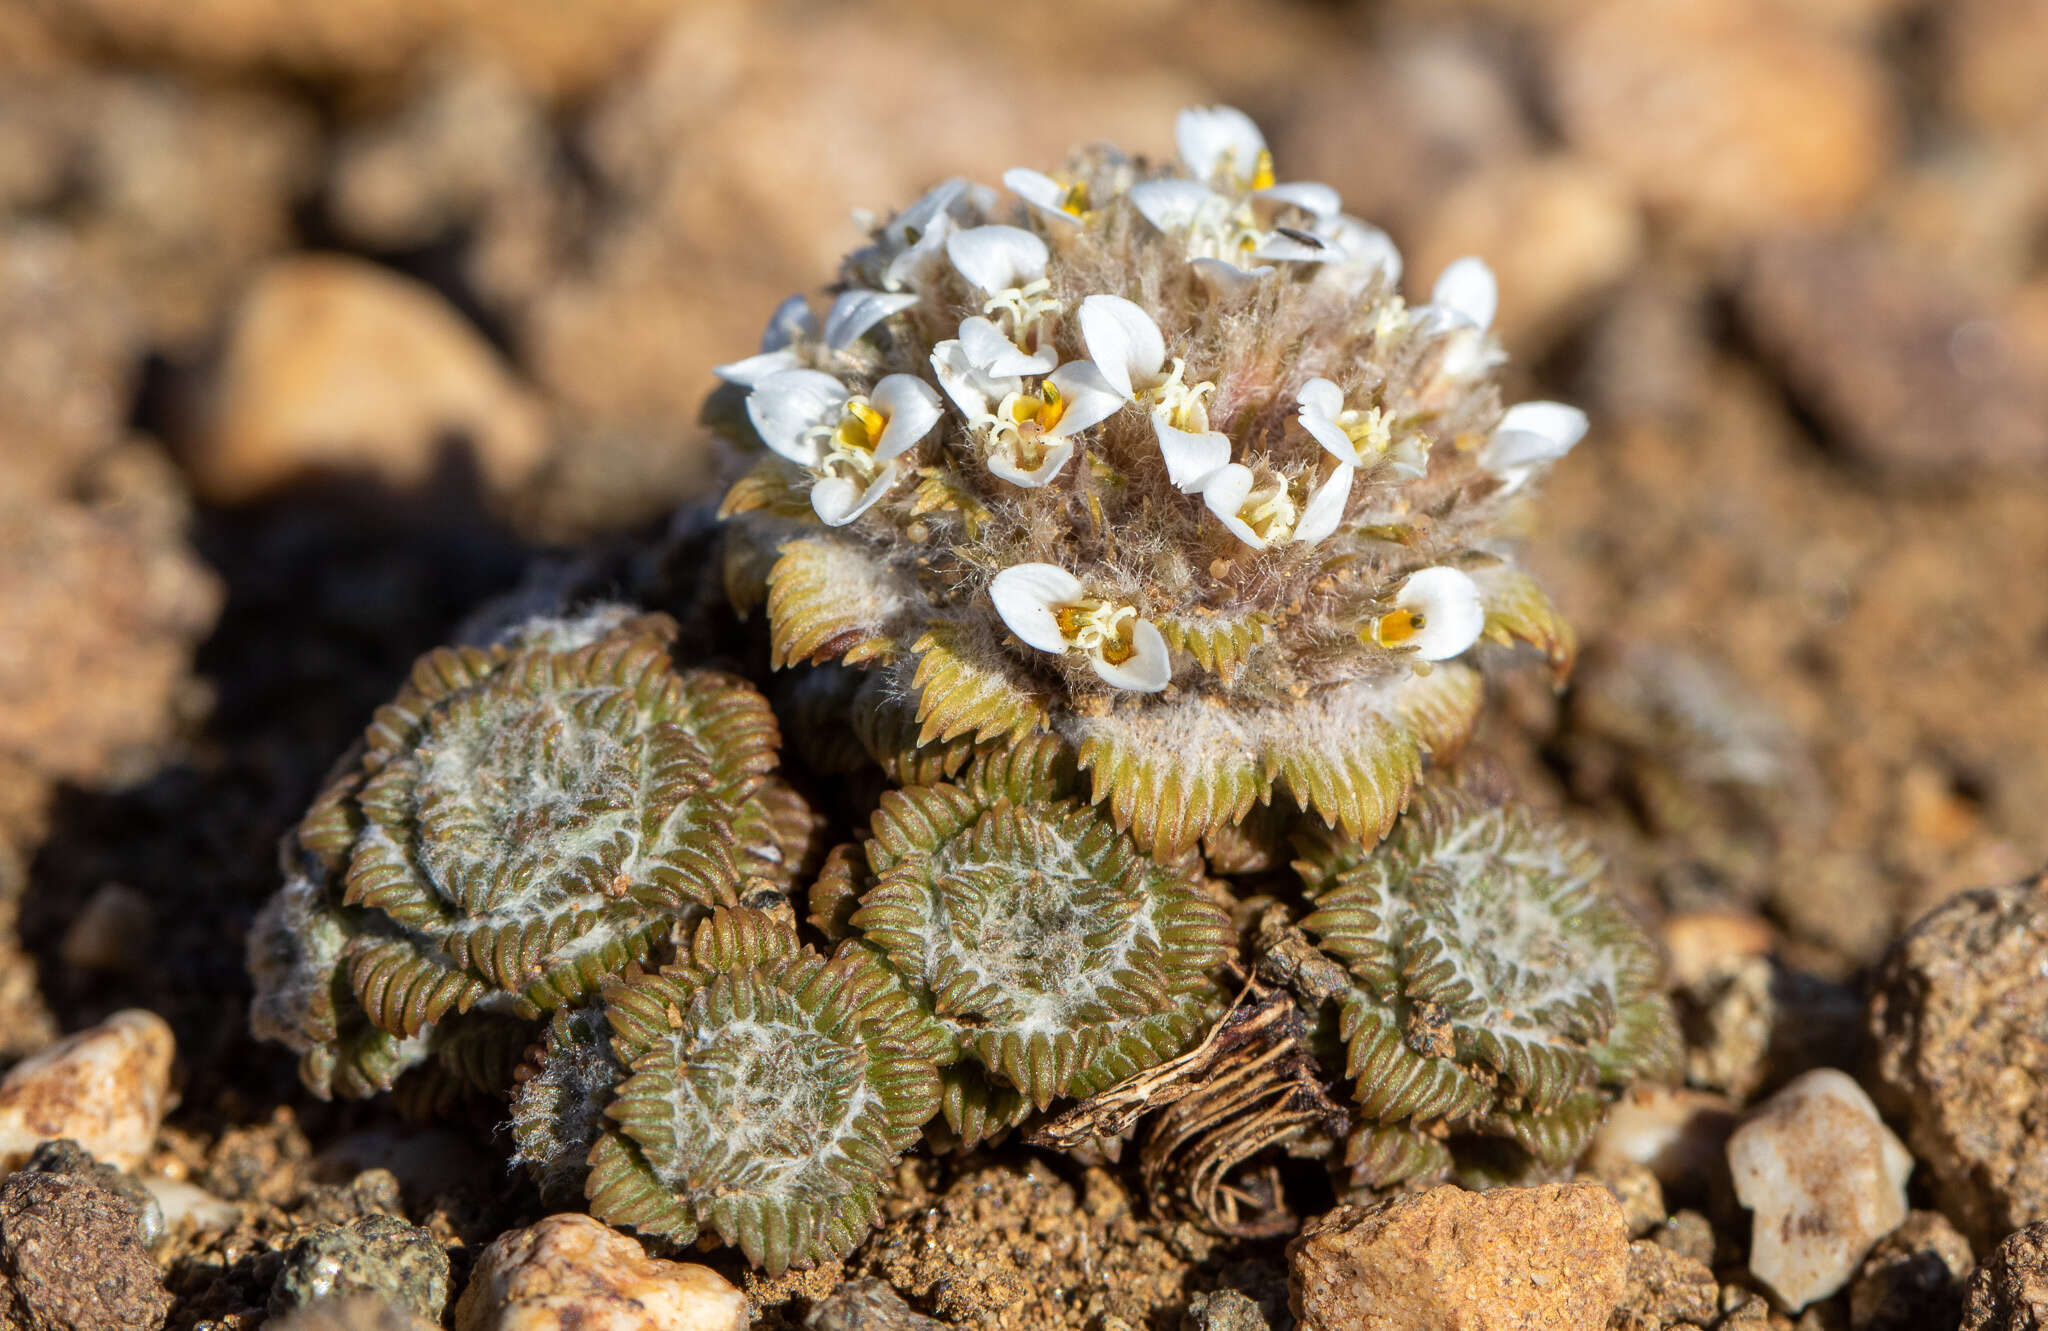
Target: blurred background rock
(317, 321)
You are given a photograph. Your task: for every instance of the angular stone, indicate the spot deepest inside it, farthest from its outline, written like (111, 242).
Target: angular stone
(1513, 1259)
(570, 1273)
(105, 1088)
(1826, 1180)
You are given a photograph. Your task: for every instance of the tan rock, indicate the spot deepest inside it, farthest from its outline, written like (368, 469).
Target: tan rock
(1679, 1133)
(106, 1088)
(1556, 231)
(1513, 1259)
(1666, 1290)
(1705, 943)
(2009, 1292)
(104, 605)
(1959, 1020)
(334, 364)
(1721, 112)
(1826, 1180)
(570, 1273)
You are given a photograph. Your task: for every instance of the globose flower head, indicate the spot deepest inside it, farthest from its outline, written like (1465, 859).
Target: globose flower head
(1154, 459)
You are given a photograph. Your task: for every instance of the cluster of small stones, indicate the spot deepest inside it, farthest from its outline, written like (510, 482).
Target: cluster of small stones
(1132, 539)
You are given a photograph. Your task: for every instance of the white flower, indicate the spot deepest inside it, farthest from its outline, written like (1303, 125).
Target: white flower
(1230, 241)
(1358, 438)
(1437, 615)
(1529, 435)
(855, 312)
(912, 242)
(1047, 607)
(1127, 347)
(1028, 434)
(848, 442)
(1048, 198)
(1008, 263)
(1263, 514)
(1223, 148)
(1364, 252)
(791, 322)
(1462, 306)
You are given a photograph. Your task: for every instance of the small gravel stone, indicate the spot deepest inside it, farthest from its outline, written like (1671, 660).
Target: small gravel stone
(1224, 1310)
(1826, 1180)
(1512, 1259)
(1640, 1194)
(1679, 1134)
(1913, 1279)
(1959, 1017)
(65, 1156)
(104, 1088)
(375, 1254)
(1666, 1291)
(570, 1273)
(2009, 1292)
(71, 1258)
(867, 1305)
(355, 1312)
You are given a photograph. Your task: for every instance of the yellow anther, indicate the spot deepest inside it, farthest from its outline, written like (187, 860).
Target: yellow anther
(1075, 200)
(861, 426)
(1397, 627)
(1262, 171)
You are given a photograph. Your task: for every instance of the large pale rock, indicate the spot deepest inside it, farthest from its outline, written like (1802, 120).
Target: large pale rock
(1826, 1180)
(1513, 1259)
(570, 1273)
(337, 365)
(1722, 113)
(106, 1088)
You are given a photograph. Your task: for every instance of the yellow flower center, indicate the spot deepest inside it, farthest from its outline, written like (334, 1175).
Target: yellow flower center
(1100, 628)
(1183, 402)
(1397, 628)
(850, 448)
(1269, 511)
(1262, 170)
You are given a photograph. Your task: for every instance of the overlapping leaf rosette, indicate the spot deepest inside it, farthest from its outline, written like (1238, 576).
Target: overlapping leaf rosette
(521, 823)
(1157, 461)
(1492, 1000)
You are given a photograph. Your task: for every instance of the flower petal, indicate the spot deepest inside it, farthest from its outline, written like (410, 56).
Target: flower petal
(1308, 195)
(1219, 141)
(1057, 454)
(1148, 669)
(1532, 432)
(1451, 609)
(1288, 245)
(1325, 508)
(993, 353)
(972, 389)
(1365, 246)
(1173, 205)
(1123, 341)
(786, 405)
(1466, 290)
(910, 225)
(1026, 597)
(1321, 403)
(854, 312)
(912, 406)
(909, 267)
(1226, 280)
(755, 368)
(1192, 456)
(837, 501)
(997, 258)
(1225, 492)
(1045, 195)
(1089, 396)
(792, 319)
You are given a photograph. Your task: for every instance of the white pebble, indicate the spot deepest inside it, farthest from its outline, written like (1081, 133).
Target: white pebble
(1826, 1180)
(106, 1088)
(570, 1273)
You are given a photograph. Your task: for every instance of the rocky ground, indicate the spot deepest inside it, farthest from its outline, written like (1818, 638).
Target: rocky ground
(319, 327)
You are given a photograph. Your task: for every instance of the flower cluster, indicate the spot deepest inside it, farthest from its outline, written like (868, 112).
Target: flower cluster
(1155, 460)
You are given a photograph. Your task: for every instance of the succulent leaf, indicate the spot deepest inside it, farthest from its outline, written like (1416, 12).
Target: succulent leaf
(1492, 987)
(768, 1091)
(1047, 945)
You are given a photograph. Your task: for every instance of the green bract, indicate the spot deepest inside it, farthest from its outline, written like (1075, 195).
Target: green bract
(1493, 989)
